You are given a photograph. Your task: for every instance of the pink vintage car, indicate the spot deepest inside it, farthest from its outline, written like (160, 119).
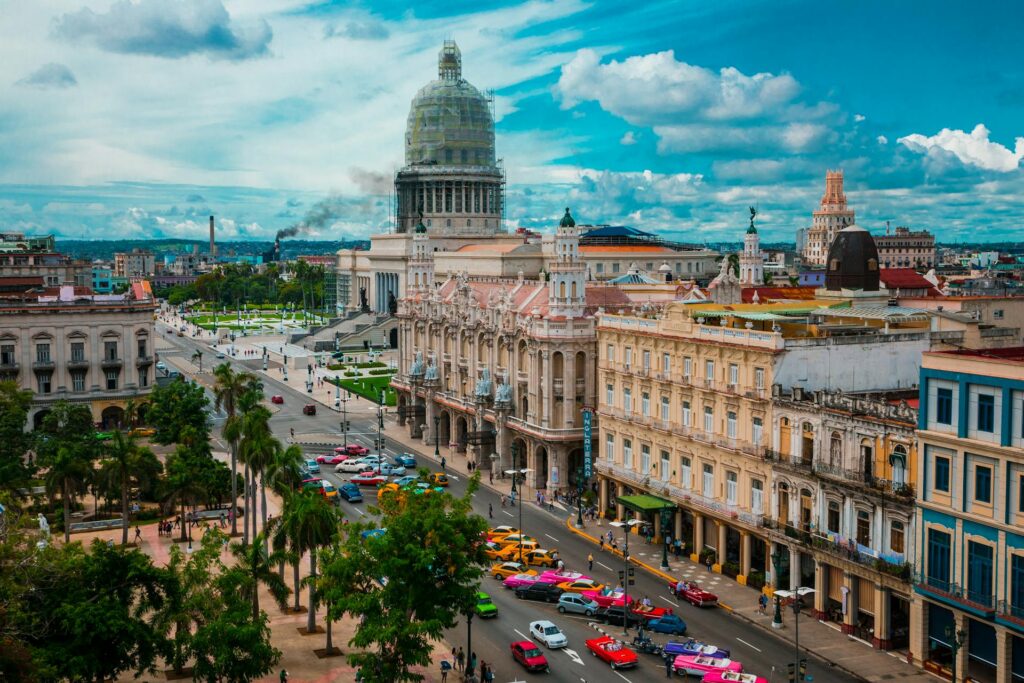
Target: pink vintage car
(732, 677)
(556, 577)
(690, 665)
(519, 580)
(608, 597)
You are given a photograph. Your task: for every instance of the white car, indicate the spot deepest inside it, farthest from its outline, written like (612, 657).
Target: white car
(354, 466)
(161, 366)
(548, 633)
(391, 470)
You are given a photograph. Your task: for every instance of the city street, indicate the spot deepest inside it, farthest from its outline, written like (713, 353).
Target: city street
(757, 649)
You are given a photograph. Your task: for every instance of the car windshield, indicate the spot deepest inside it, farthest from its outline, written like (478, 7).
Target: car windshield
(533, 652)
(551, 630)
(483, 601)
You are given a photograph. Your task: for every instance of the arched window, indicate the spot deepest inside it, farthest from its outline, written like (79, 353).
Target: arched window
(835, 450)
(898, 460)
(561, 290)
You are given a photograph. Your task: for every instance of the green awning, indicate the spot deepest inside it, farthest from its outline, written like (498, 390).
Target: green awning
(645, 503)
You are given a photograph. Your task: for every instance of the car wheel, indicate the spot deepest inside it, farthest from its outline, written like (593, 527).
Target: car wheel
(589, 613)
(614, 666)
(561, 609)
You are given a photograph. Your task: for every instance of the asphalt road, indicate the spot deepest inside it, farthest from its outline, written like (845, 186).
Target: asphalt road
(758, 650)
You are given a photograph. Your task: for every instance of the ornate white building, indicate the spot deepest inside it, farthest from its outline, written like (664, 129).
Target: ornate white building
(831, 216)
(752, 260)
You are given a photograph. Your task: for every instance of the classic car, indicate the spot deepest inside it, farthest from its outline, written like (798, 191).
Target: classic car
(520, 580)
(580, 585)
(693, 594)
(556, 577)
(670, 623)
(543, 592)
(732, 677)
(609, 650)
(350, 492)
(331, 459)
(405, 460)
(607, 597)
(541, 557)
(529, 655)
(617, 614)
(352, 449)
(354, 465)
(485, 607)
(503, 570)
(694, 648)
(689, 665)
(369, 479)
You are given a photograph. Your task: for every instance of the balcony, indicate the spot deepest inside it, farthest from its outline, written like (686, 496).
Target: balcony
(956, 595)
(522, 376)
(839, 548)
(1010, 615)
(558, 387)
(44, 364)
(9, 367)
(787, 462)
(143, 361)
(111, 362)
(81, 363)
(837, 472)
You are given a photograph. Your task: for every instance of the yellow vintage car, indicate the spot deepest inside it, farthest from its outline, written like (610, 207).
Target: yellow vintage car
(540, 557)
(503, 570)
(510, 553)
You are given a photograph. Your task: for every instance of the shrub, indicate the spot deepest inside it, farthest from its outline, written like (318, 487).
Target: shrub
(705, 554)
(755, 579)
(371, 364)
(731, 569)
(382, 371)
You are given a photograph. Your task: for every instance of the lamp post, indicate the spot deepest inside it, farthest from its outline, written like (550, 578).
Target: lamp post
(516, 473)
(626, 526)
(777, 563)
(579, 497)
(380, 426)
(956, 641)
(798, 604)
(469, 636)
(437, 436)
(664, 535)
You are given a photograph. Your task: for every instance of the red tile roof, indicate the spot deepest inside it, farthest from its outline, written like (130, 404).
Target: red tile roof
(768, 294)
(905, 278)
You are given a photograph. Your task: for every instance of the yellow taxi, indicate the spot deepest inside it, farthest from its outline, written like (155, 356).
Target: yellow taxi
(500, 531)
(503, 570)
(438, 479)
(142, 431)
(540, 557)
(513, 539)
(386, 489)
(493, 551)
(580, 585)
(510, 553)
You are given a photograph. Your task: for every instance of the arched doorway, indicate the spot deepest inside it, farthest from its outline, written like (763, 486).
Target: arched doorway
(393, 338)
(112, 417)
(461, 431)
(518, 450)
(785, 436)
(444, 429)
(783, 492)
(37, 419)
(540, 462)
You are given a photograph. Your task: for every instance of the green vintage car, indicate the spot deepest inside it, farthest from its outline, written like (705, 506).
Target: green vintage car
(485, 609)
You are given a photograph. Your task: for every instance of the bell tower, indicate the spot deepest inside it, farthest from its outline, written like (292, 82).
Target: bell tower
(566, 288)
(421, 265)
(751, 260)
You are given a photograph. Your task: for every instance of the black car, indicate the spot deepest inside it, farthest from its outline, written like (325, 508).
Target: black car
(545, 592)
(615, 615)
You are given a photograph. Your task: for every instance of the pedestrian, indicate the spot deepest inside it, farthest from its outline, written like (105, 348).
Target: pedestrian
(472, 664)
(561, 566)
(460, 659)
(512, 498)
(490, 475)
(707, 562)
(609, 537)
(138, 534)
(490, 510)
(600, 543)
(668, 667)
(444, 463)
(615, 545)
(446, 666)
(503, 500)
(223, 521)
(678, 548)
(590, 562)
(177, 521)
(284, 675)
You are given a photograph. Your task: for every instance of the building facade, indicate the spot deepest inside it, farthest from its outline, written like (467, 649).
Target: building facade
(970, 515)
(55, 269)
(831, 216)
(134, 263)
(907, 248)
(97, 350)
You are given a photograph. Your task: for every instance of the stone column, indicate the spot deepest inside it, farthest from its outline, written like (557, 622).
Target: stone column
(501, 440)
(723, 529)
(820, 589)
(960, 621)
(569, 390)
(881, 639)
(620, 509)
(850, 588)
(678, 531)
(698, 536)
(602, 494)
(1004, 655)
(918, 647)
(430, 409)
(546, 385)
(534, 397)
(744, 556)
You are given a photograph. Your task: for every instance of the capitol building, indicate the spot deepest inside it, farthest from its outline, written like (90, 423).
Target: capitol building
(452, 187)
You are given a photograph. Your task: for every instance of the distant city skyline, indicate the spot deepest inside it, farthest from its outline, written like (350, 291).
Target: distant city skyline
(135, 120)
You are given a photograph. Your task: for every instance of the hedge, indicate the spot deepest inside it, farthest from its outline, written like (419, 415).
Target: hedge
(382, 371)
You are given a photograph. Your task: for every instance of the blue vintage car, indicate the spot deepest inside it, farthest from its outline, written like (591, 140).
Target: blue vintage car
(694, 648)
(350, 492)
(670, 623)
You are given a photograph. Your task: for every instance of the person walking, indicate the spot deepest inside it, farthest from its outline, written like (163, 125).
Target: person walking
(284, 676)
(444, 463)
(669, 669)
(762, 603)
(460, 659)
(490, 475)
(446, 666)
(490, 510)
(600, 544)
(138, 534)
(503, 500)
(707, 562)
(590, 562)
(472, 665)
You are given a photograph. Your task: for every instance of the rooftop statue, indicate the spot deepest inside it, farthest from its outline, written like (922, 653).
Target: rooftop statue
(431, 373)
(416, 369)
(504, 393)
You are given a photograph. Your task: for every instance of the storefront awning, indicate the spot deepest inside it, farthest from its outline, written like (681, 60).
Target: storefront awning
(645, 503)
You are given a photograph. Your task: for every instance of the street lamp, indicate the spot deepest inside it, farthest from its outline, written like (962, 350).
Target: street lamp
(469, 635)
(516, 473)
(777, 563)
(956, 641)
(579, 497)
(664, 512)
(798, 605)
(437, 436)
(380, 426)
(626, 525)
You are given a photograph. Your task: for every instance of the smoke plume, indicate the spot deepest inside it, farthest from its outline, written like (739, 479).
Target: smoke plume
(323, 213)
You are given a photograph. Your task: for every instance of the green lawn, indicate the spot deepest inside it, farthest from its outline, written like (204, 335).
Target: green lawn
(370, 387)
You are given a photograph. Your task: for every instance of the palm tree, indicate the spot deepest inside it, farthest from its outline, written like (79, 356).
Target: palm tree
(316, 525)
(324, 585)
(180, 487)
(227, 390)
(198, 356)
(124, 464)
(257, 447)
(284, 475)
(67, 473)
(256, 564)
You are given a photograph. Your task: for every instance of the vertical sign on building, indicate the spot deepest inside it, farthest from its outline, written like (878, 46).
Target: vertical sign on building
(587, 458)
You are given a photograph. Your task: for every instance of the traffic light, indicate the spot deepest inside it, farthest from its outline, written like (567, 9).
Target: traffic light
(622, 576)
(803, 671)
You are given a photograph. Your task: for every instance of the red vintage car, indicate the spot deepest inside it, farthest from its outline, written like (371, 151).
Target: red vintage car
(529, 655)
(650, 613)
(694, 594)
(353, 449)
(277, 399)
(608, 597)
(369, 478)
(331, 459)
(609, 650)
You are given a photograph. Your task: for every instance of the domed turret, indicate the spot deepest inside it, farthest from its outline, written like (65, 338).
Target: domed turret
(567, 220)
(852, 261)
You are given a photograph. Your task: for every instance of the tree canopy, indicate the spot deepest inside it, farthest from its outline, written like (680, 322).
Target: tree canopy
(180, 413)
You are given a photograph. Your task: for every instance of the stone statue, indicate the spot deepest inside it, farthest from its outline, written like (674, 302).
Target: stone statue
(504, 394)
(364, 305)
(392, 303)
(483, 385)
(44, 525)
(431, 375)
(417, 365)
(753, 214)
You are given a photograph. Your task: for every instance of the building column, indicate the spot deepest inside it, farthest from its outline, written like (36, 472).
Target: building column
(501, 442)
(620, 509)
(1004, 655)
(546, 386)
(794, 567)
(698, 536)
(723, 529)
(849, 589)
(744, 557)
(602, 495)
(960, 620)
(678, 525)
(569, 390)
(430, 409)
(881, 639)
(918, 647)
(534, 408)
(820, 589)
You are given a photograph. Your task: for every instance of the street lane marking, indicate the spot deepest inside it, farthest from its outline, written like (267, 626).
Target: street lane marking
(749, 645)
(666, 600)
(552, 538)
(453, 477)
(605, 566)
(621, 676)
(573, 656)
(508, 513)
(521, 634)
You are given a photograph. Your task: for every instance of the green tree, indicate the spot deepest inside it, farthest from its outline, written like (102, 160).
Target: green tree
(15, 468)
(67, 447)
(126, 463)
(194, 600)
(95, 613)
(768, 278)
(227, 391)
(794, 280)
(248, 403)
(179, 413)
(284, 474)
(257, 447)
(257, 569)
(183, 484)
(435, 536)
(311, 522)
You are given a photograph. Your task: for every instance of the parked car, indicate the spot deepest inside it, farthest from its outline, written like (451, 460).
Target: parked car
(352, 449)
(407, 480)
(607, 597)
(309, 409)
(277, 399)
(312, 466)
(609, 650)
(161, 366)
(543, 592)
(577, 604)
(391, 470)
(405, 460)
(520, 580)
(688, 665)
(501, 531)
(580, 585)
(220, 355)
(547, 633)
(369, 479)
(485, 607)
(541, 557)
(529, 655)
(353, 466)
(670, 623)
(350, 492)
(556, 577)
(331, 459)
(732, 677)
(694, 594)
(616, 614)
(142, 431)
(503, 570)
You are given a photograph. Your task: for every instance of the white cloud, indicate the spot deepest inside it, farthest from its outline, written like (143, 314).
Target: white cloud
(859, 117)
(50, 76)
(972, 148)
(792, 137)
(628, 139)
(882, 140)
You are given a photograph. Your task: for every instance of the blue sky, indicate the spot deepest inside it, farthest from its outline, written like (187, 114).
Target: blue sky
(139, 118)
